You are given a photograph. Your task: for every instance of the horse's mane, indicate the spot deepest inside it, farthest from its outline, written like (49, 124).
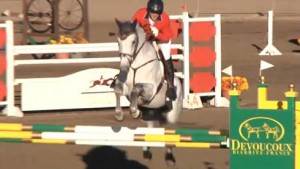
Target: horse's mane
(140, 33)
(132, 26)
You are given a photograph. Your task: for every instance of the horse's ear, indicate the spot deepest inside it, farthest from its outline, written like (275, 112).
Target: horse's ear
(134, 23)
(118, 22)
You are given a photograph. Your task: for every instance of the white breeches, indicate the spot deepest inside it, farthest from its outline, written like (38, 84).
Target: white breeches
(166, 49)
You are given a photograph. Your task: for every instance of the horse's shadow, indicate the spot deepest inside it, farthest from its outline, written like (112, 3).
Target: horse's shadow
(258, 48)
(295, 42)
(292, 41)
(109, 157)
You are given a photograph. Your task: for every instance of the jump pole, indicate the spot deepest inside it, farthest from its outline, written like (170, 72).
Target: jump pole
(106, 129)
(112, 136)
(270, 49)
(117, 143)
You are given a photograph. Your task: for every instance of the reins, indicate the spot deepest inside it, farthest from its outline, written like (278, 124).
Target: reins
(137, 51)
(135, 69)
(133, 56)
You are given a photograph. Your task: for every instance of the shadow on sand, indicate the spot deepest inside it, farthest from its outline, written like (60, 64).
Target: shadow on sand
(108, 157)
(295, 42)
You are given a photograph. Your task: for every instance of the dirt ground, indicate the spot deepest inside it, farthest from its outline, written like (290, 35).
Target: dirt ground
(242, 40)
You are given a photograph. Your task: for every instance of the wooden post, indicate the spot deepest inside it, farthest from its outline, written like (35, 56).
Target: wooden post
(86, 20)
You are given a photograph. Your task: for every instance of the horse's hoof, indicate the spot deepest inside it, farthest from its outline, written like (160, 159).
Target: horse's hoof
(147, 155)
(119, 116)
(170, 159)
(133, 109)
(136, 114)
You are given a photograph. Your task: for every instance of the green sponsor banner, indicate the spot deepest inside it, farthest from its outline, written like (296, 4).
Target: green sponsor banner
(262, 139)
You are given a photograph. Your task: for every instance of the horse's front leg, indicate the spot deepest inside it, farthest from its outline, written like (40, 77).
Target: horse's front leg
(140, 92)
(119, 91)
(119, 116)
(133, 108)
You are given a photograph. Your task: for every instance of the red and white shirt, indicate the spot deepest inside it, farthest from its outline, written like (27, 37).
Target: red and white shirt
(162, 24)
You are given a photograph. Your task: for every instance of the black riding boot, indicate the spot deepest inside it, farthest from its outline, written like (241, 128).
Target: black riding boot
(169, 73)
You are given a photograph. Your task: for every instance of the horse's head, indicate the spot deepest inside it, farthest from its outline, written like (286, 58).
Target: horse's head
(127, 41)
(127, 38)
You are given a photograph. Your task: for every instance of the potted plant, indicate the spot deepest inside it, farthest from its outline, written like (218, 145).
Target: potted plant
(227, 84)
(76, 38)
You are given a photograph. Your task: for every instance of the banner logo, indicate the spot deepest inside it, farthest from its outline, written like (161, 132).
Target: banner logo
(261, 128)
(261, 136)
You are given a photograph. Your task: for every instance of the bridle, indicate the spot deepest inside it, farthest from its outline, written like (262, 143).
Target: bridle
(131, 57)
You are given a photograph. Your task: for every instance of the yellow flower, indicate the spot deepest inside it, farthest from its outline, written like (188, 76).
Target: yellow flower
(53, 41)
(241, 82)
(78, 38)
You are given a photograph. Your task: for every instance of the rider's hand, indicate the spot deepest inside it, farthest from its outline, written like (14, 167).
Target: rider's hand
(154, 31)
(150, 36)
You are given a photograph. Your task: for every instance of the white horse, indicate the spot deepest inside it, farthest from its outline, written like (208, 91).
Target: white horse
(142, 81)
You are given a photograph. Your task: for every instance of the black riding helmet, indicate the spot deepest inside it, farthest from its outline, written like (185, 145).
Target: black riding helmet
(155, 6)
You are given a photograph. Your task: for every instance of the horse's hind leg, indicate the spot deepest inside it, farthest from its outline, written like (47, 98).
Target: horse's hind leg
(147, 154)
(172, 118)
(169, 157)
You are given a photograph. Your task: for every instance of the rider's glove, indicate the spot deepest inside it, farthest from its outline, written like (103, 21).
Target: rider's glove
(154, 30)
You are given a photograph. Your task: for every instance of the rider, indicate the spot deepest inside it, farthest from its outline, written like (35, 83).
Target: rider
(159, 23)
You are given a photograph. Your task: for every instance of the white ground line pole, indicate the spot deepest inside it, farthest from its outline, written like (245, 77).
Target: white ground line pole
(10, 67)
(270, 49)
(218, 62)
(10, 109)
(186, 54)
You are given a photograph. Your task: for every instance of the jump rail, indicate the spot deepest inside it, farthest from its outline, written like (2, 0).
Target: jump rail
(113, 135)
(186, 20)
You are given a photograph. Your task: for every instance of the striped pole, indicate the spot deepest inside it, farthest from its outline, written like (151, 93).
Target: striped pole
(116, 143)
(106, 129)
(112, 136)
(180, 138)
